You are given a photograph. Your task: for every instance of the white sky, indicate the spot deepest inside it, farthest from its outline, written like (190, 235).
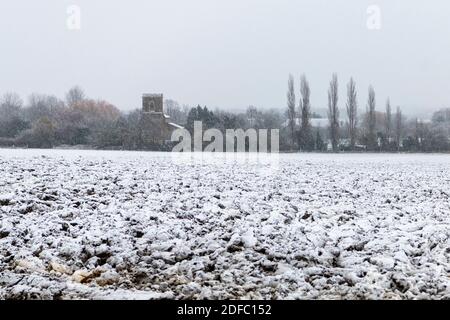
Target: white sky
(227, 53)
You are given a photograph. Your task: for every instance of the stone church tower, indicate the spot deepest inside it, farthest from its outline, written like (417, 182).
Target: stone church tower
(156, 126)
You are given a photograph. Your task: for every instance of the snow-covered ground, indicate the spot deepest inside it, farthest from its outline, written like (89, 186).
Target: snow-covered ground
(137, 225)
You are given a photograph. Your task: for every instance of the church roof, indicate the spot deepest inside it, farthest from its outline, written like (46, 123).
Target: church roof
(152, 95)
(175, 125)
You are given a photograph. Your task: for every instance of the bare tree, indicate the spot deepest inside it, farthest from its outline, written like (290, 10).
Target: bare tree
(419, 132)
(10, 105)
(42, 105)
(388, 121)
(271, 119)
(333, 112)
(398, 129)
(352, 112)
(252, 116)
(306, 138)
(291, 109)
(175, 111)
(371, 120)
(75, 95)
(11, 115)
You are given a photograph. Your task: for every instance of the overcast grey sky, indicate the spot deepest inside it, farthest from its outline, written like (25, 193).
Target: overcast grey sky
(227, 54)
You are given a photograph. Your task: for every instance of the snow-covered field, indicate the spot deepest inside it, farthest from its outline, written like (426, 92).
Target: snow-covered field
(136, 225)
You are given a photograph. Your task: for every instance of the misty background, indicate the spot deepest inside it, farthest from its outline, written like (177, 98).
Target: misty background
(228, 54)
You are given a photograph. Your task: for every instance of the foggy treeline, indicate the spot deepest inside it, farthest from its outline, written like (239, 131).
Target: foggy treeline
(46, 121)
(353, 125)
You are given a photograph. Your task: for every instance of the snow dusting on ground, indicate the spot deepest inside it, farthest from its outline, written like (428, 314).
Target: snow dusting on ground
(138, 225)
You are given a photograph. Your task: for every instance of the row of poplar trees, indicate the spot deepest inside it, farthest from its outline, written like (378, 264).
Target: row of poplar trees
(301, 131)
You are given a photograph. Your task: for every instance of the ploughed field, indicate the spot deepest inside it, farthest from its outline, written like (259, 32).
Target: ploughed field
(137, 225)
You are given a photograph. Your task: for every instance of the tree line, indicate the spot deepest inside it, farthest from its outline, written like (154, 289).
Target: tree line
(46, 121)
(370, 130)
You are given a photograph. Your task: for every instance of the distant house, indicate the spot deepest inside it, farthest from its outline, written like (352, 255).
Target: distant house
(155, 124)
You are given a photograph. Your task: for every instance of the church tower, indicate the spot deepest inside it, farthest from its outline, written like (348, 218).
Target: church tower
(155, 126)
(152, 103)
